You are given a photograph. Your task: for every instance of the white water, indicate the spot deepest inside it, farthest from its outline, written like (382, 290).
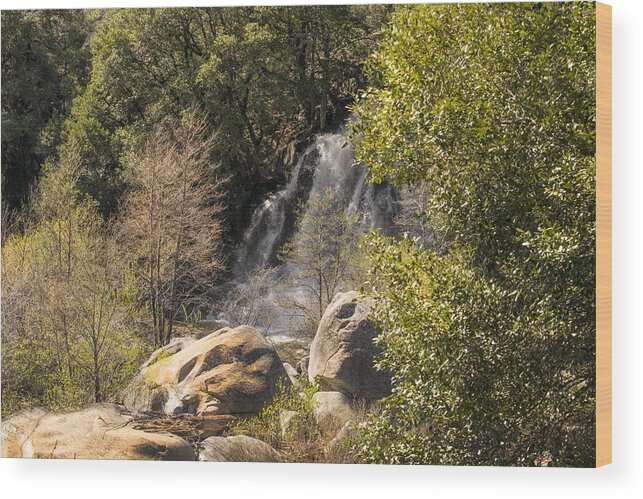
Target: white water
(266, 227)
(330, 161)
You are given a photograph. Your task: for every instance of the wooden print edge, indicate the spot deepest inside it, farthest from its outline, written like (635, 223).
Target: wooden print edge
(603, 234)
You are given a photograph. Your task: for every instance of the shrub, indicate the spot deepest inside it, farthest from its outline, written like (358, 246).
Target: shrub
(289, 425)
(492, 341)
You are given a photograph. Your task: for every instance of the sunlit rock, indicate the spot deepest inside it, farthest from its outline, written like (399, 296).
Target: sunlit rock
(343, 352)
(229, 372)
(100, 431)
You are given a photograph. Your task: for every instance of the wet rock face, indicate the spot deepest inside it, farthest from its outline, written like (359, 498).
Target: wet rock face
(99, 431)
(230, 371)
(343, 352)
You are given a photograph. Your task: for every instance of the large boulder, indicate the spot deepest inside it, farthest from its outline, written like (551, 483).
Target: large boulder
(342, 353)
(229, 372)
(174, 346)
(100, 431)
(237, 449)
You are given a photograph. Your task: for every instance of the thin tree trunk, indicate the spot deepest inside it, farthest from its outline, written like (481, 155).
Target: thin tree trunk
(95, 351)
(175, 259)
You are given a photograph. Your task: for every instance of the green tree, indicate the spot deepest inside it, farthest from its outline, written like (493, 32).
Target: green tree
(44, 65)
(323, 254)
(69, 318)
(492, 341)
(263, 75)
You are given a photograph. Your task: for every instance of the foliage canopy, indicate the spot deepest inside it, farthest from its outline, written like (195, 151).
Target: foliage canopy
(491, 340)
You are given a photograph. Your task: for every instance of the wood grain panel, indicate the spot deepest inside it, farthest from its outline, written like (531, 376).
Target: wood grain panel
(603, 234)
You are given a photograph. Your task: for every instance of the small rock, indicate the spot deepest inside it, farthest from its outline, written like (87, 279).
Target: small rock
(343, 439)
(331, 410)
(293, 375)
(302, 366)
(286, 420)
(237, 449)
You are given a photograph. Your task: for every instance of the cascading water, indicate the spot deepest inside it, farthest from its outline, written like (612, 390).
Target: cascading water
(328, 163)
(266, 227)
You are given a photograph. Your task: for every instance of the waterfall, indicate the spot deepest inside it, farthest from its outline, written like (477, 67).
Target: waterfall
(335, 168)
(266, 228)
(328, 163)
(375, 204)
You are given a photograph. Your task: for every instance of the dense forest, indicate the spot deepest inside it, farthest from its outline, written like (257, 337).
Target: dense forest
(169, 173)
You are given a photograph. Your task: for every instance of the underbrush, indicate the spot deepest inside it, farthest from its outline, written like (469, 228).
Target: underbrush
(289, 425)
